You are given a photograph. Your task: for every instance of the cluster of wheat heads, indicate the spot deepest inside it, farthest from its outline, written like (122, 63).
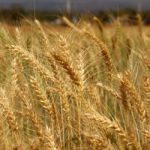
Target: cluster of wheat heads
(87, 88)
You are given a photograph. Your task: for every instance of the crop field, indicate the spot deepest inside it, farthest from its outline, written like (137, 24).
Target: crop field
(83, 86)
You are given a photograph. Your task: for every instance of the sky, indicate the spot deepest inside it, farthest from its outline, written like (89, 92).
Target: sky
(79, 5)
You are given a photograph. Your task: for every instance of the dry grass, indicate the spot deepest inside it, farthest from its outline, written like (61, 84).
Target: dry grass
(85, 88)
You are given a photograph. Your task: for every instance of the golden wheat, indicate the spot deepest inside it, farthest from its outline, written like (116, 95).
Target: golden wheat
(55, 93)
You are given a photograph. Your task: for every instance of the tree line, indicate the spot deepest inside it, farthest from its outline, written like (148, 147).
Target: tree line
(16, 13)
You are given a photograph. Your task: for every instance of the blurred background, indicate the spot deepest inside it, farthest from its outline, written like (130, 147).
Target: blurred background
(51, 10)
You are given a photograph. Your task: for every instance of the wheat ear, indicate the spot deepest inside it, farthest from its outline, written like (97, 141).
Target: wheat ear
(113, 126)
(34, 63)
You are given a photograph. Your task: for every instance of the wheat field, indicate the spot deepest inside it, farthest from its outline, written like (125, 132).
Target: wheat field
(87, 88)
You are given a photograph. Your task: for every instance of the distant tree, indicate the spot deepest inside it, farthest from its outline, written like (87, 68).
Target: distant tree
(17, 12)
(146, 17)
(104, 16)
